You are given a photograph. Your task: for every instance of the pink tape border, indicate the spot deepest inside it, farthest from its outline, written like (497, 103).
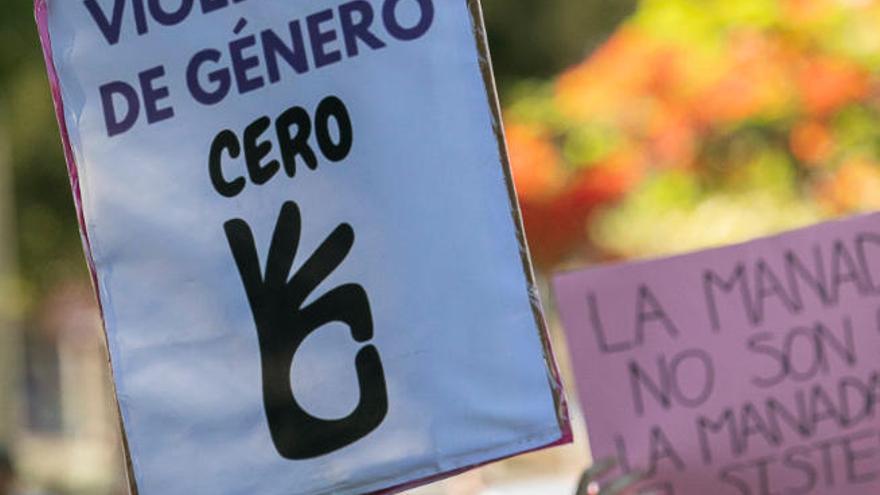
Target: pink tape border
(41, 15)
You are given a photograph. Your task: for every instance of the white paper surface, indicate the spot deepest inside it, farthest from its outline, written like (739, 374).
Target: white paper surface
(435, 249)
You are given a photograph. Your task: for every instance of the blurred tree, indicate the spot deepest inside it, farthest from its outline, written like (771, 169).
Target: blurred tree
(9, 335)
(701, 123)
(45, 223)
(14, 34)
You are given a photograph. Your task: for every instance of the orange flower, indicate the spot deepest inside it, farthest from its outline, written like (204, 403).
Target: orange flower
(756, 81)
(673, 139)
(811, 142)
(826, 84)
(556, 226)
(801, 11)
(534, 160)
(855, 187)
(604, 183)
(607, 80)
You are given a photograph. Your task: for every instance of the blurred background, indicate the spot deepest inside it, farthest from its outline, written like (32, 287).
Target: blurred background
(636, 129)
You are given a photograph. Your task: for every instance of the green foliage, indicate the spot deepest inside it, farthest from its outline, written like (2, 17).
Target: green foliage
(46, 237)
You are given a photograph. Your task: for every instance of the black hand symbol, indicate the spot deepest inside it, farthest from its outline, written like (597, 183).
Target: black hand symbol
(283, 324)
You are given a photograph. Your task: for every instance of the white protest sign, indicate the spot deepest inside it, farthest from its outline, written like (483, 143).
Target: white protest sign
(300, 224)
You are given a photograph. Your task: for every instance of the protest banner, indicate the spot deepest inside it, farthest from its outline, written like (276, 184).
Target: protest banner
(746, 370)
(301, 228)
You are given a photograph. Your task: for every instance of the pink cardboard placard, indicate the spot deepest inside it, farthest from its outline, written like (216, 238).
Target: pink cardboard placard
(747, 370)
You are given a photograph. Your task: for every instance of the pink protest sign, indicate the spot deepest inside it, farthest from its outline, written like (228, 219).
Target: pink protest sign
(747, 370)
